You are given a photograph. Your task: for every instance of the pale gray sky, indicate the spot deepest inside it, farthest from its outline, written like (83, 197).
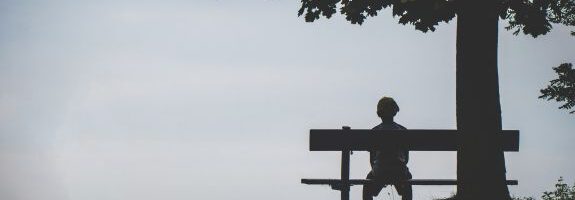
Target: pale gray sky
(206, 99)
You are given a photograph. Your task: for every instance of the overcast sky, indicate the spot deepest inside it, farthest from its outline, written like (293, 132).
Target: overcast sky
(213, 99)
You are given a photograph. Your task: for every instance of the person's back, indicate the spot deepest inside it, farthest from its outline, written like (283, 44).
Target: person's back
(389, 157)
(388, 163)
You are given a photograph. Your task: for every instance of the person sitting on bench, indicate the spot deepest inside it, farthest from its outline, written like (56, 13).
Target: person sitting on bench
(388, 164)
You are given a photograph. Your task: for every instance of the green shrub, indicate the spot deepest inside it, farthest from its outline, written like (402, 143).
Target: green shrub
(562, 192)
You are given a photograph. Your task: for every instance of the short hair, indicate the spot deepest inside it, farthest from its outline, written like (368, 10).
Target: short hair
(387, 104)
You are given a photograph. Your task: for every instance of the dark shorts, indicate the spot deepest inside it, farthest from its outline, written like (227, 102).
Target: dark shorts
(393, 175)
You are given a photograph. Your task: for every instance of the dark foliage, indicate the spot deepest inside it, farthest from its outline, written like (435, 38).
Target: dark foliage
(562, 89)
(425, 15)
(562, 192)
(532, 17)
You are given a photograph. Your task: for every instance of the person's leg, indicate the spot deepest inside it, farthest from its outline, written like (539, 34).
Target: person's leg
(367, 188)
(404, 190)
(366, 193)
(372, 189)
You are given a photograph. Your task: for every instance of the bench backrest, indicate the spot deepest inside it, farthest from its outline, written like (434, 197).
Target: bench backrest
(413, 140)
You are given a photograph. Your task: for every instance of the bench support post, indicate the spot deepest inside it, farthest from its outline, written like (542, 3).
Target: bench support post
(345, 186)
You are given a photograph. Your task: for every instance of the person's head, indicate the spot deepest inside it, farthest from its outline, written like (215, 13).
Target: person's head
(387, 108)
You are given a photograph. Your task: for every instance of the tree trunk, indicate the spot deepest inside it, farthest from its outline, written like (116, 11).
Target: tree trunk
(480, 161)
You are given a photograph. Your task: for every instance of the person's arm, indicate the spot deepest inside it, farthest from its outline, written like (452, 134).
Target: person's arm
(406, 156)
(405, 150)
(371, 157)
(372, 153)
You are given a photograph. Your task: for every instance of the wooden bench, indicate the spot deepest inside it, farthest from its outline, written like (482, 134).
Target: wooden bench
(347, 140)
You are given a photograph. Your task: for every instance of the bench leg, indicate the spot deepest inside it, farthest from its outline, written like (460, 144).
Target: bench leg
(345, 187)
(345, 171)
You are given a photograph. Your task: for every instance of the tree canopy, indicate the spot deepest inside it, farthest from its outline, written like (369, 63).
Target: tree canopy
(562, 89)
(531, 17)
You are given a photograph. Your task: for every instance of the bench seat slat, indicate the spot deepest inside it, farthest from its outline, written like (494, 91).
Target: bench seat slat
(411, 181)
(414, 140)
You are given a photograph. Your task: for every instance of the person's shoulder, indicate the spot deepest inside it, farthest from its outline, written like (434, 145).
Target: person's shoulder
(394, 126)
(399, 126)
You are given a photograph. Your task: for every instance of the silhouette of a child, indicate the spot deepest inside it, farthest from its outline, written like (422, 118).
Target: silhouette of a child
(388, 164)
